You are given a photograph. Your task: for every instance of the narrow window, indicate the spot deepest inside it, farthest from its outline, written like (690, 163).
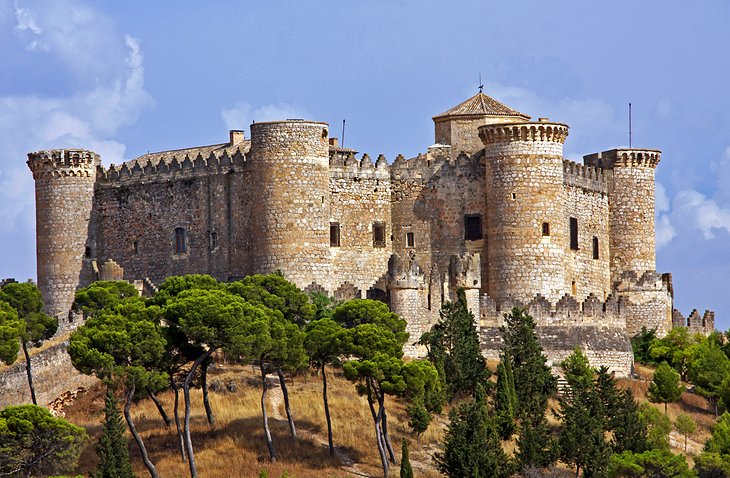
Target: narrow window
(410, 239)
(213, 240)
(334, 234)
(574, 233)
(87, 252)
(180, 246)
(545, 228)
(574, 288)
(514, 195)
(378, 234)
(135, 247)
(595, 248)
(472, 227)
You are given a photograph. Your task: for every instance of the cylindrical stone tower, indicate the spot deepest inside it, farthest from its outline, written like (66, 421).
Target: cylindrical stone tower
(631, 208)
(290, 210)
(527, 227)
(64, 193)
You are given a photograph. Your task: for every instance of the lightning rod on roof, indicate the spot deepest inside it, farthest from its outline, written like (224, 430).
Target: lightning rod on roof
(481, 86)
(343, 134)
(629, 125)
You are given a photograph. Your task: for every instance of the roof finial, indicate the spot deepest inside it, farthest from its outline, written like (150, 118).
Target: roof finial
(481, 86)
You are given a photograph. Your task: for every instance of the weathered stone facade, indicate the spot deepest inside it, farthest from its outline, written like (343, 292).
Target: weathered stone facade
(491, 207)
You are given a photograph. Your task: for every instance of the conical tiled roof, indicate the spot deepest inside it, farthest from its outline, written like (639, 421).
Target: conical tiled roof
(481, 105)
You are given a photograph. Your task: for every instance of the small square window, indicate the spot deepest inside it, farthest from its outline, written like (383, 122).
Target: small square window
(410, 239)
(378, 234)
(334, 234)
(473, 227)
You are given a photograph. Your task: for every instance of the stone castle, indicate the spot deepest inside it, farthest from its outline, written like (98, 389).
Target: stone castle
(491, 207)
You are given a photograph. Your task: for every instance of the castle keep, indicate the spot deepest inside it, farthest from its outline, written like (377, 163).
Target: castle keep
(491, 207)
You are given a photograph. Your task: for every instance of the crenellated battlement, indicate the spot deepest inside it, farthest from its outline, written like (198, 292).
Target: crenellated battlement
(56, 163)
(346, 167)
(141, 170)
(615, 158)
(437, 160)
(566, 312)
(510, 132)
(695, 323)
(648, 281)
(589, 178)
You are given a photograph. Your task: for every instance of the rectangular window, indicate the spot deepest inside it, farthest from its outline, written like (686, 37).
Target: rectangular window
(378, 234)
(180, 246)
(213, 240)
(410, 239)
(574, 233)
(472, 227)
(595, 247)
(545, 228)
(334, 234)
(135, 247)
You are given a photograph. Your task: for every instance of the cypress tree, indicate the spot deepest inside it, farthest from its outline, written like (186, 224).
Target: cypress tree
(534, 383)
(405, 463)
(506, 399)
(112, 448)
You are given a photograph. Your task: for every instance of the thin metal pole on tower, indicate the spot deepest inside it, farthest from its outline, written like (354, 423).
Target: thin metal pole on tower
(343, 134)
(629, 125)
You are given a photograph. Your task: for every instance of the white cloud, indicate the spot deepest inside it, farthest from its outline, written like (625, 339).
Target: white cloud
(700, 212)
(664, 231)
(661, 199)
(243, 114)
(106, 92)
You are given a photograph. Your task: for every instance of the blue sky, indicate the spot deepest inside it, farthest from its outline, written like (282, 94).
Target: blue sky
(124, 78)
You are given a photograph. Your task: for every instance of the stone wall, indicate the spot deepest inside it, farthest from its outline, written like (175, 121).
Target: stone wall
(695, 323)
(646, 301)
(53, 374)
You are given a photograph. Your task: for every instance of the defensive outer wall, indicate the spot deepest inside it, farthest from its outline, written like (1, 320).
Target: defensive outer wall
(492, 207)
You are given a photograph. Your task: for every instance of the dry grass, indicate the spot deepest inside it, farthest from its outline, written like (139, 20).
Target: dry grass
(236, 447)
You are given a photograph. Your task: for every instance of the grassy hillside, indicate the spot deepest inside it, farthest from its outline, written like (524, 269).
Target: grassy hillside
(235, 447)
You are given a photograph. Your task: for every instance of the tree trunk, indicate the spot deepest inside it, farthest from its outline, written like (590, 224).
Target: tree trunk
(685, 444)
(384, 426)
(27, 371)
(327, 411)
(186, 426)
(180, 439)
(269, 443)
(159, 406)
(206, 402)
(137, 438)
(665, 408)
(282, 382)
(378, 431)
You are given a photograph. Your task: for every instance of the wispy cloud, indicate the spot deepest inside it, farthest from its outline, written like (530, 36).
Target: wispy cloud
(242, 115)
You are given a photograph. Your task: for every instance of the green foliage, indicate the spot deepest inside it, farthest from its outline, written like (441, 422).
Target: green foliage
(708, 369)
(406, 471)
(25, 298)
(103, 295)
(686, 426)
(175, 285)
(11, 329)
(585, 418)
(358, 312)
(506, 398)
(641, 343)
(33, 442)
(720, 440)
(650, 464)
(666, 386)
(323, 305)
(534, 383)
(418, 416)
(629, 431)
(325, 341)
(657, 425)
(471, 446)
(276, 293)
(676, 348)
(712, 465)
(112, 447)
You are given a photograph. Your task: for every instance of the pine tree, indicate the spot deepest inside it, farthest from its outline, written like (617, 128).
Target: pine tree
(112, 448)
(405, 463)
(629, 430)
(472, 447)
(534, 383)
(666, 386)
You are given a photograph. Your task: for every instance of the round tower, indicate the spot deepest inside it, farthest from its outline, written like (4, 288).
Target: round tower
(527, 228)
(64, 193)
(290, 211)
(631, 208)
